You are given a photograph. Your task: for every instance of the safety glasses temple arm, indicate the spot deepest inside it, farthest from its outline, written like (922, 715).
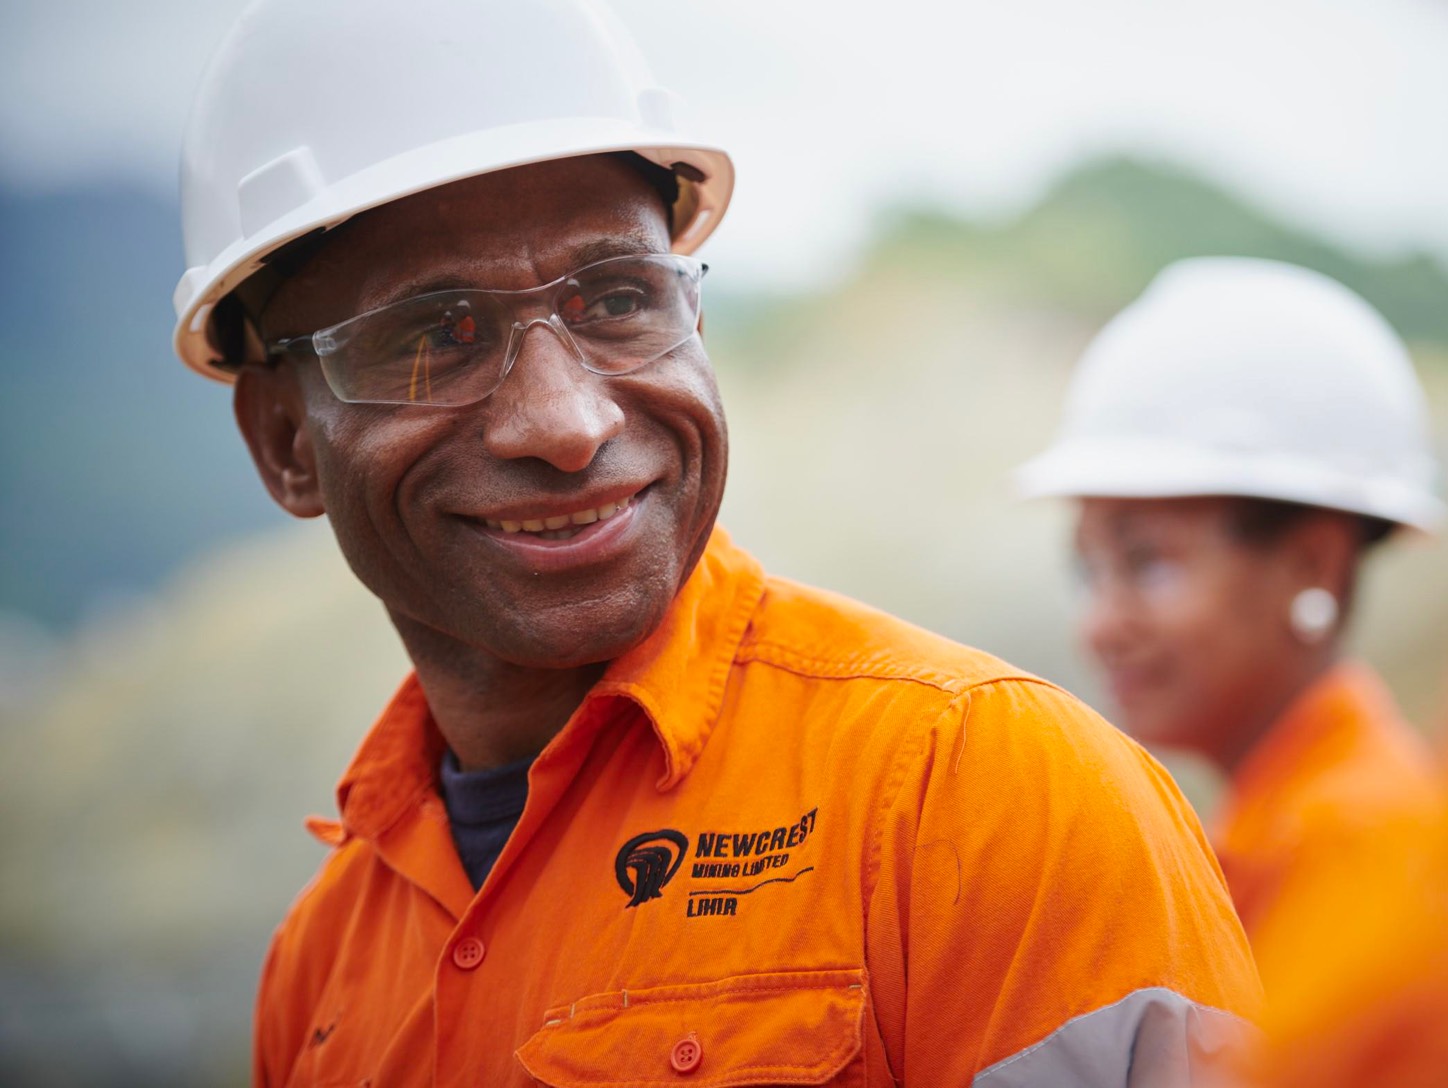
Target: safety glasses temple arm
(286, 346)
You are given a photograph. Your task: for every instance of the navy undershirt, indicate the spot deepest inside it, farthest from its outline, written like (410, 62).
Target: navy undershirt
(483, 808)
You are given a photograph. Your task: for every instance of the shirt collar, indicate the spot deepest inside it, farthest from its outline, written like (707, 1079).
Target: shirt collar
(676, 676)
(396, 766)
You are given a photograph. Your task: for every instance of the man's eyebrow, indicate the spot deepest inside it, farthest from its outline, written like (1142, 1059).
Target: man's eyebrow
(620, 245)
(403, 290)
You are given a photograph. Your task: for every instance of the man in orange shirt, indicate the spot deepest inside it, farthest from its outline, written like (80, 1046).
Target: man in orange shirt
(643, 814)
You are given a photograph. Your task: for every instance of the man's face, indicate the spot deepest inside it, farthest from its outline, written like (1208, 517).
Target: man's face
(418, 495)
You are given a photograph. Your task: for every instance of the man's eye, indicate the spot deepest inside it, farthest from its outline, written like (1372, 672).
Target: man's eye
(449, 333)
(464, 331)
(611, 304)
(455, 332)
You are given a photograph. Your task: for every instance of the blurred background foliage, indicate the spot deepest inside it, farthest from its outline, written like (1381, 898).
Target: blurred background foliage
(184, 673)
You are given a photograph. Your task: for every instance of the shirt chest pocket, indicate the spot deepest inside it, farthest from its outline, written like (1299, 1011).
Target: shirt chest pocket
(793, 1027)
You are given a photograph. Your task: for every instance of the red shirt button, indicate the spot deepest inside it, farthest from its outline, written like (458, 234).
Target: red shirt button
(687, 1054)
(468, 953)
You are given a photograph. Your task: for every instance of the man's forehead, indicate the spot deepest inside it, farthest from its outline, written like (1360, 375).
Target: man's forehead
(548, 200)
(509, 230)
(501, 268)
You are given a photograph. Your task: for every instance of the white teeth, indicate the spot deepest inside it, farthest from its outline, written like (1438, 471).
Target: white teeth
(561, 521)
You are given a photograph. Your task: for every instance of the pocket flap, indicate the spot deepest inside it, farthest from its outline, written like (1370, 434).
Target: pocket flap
(790, 1027)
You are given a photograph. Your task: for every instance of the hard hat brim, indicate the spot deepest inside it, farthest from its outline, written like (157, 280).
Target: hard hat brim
(1139, 469)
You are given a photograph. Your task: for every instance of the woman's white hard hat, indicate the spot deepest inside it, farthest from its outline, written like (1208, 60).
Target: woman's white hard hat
(1233, 376)
(314, 110)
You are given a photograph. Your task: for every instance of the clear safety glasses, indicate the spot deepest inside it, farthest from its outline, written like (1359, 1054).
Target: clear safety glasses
(456, 347)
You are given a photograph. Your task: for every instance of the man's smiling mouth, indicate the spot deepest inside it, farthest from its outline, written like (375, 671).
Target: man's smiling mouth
(562, 526)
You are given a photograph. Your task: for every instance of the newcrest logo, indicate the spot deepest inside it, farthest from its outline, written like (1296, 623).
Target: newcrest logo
(647, 862)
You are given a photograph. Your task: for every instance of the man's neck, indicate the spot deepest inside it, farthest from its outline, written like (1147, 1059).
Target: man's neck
(491, 712)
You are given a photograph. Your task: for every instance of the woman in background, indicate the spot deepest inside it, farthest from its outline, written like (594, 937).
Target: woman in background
(1366, 1001)
(1239, 439)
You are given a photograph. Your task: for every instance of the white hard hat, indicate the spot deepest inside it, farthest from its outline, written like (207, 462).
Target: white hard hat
(314, 110)
(1232, 376)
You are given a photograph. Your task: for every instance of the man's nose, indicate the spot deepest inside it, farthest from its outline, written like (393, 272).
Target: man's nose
(549, 406)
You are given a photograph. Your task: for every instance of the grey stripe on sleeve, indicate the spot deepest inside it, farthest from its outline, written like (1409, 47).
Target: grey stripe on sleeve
(1152, 1038)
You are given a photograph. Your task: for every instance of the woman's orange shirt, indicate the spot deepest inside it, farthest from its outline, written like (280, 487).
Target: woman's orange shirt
(1335, 777)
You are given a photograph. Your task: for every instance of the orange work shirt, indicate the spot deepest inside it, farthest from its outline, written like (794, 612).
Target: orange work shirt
(785, 840)
(1337, 772)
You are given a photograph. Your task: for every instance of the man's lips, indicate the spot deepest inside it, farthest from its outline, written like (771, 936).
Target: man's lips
(585, 534)
(561, 526)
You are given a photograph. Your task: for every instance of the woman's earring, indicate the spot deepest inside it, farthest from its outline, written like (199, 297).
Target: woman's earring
(1314, 615)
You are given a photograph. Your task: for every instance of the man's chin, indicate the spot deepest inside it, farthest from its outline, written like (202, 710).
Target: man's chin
(574, 639)
(577, 641)
(564, 656)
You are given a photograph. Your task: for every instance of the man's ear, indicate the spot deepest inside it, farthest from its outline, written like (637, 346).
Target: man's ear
(271, 413)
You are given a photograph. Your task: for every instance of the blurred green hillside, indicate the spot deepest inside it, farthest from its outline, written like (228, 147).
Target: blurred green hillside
(153, 785)
(1095, 241)
(1100, 236)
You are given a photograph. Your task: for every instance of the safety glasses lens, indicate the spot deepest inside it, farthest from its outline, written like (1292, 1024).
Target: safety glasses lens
(453, 347)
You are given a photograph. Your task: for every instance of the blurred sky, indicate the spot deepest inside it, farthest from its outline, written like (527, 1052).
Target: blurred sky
(1332, 112)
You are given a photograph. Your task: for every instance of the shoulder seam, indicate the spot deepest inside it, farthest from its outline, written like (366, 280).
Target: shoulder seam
(872, 667)
(1021, 678)
(906, 756)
